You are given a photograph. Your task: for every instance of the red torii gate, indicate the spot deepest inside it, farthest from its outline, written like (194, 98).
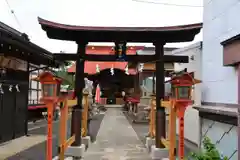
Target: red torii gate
(159, 36)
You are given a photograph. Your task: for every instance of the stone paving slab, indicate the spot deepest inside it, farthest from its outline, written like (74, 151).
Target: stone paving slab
(116, 140)
(15, 146)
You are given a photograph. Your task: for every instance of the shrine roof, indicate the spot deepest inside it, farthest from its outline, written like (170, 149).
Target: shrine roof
(189, 76)
(181, 33)
(46, 75)
(90, 67)
(17, 44)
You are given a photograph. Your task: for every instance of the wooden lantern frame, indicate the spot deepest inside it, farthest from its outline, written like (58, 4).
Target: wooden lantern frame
(49, 78)
(184, 80)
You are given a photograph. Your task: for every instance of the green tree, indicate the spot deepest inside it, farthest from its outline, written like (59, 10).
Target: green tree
(209, 152)
(63, 73)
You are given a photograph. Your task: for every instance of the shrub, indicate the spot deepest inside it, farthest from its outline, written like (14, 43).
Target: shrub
(209, 152)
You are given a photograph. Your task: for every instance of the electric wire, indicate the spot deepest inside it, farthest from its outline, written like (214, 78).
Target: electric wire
(166, 4)
(14, 15)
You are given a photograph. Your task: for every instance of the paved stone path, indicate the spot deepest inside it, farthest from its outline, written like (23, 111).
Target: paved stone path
(116, 140)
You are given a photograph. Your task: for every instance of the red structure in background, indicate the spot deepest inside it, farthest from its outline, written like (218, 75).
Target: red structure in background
(97, 95)
(90, 67)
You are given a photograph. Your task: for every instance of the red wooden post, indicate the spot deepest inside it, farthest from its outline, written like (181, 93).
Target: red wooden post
(181, 111)
(49, 131)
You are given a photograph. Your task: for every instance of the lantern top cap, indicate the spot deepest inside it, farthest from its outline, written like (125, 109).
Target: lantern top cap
(47, 76)
(184, 77)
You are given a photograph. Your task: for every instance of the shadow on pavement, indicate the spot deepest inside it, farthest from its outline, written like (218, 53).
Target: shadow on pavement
(38, 151)
(95, 126)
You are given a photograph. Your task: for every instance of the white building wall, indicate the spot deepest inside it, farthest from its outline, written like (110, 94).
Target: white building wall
(219, 83)
(219, 24)
(147, 83)
(192, 127)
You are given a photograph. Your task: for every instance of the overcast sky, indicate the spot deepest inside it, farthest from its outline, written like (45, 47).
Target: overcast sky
(96, 13)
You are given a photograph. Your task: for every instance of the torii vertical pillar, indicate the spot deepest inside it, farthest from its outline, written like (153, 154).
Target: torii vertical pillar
(160, 111)
(77, 148)
(158, 151)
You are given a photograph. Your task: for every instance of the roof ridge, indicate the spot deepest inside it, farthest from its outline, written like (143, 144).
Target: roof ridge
(13, 31)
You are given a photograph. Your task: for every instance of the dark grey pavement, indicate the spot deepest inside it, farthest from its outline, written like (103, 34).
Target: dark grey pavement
(116, 140)
(142, 130)
(38, 151)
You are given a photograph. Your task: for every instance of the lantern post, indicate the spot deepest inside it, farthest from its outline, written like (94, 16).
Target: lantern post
(182, 86)
(50, 92)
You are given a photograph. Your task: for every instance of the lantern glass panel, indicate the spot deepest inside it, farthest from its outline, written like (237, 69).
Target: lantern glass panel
(48, 90)
(168, 91)
(184, 92)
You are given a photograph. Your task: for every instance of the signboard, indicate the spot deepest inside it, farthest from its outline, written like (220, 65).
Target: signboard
(120, 51)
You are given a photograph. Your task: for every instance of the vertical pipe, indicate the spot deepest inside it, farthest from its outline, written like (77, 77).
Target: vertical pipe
(27, 99)
(79, 85)
(160, 111)
(29, 84)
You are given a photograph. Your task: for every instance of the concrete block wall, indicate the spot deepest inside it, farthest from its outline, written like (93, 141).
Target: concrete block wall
(223, 135)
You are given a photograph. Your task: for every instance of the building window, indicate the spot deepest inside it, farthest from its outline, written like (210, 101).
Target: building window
(34, 91)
